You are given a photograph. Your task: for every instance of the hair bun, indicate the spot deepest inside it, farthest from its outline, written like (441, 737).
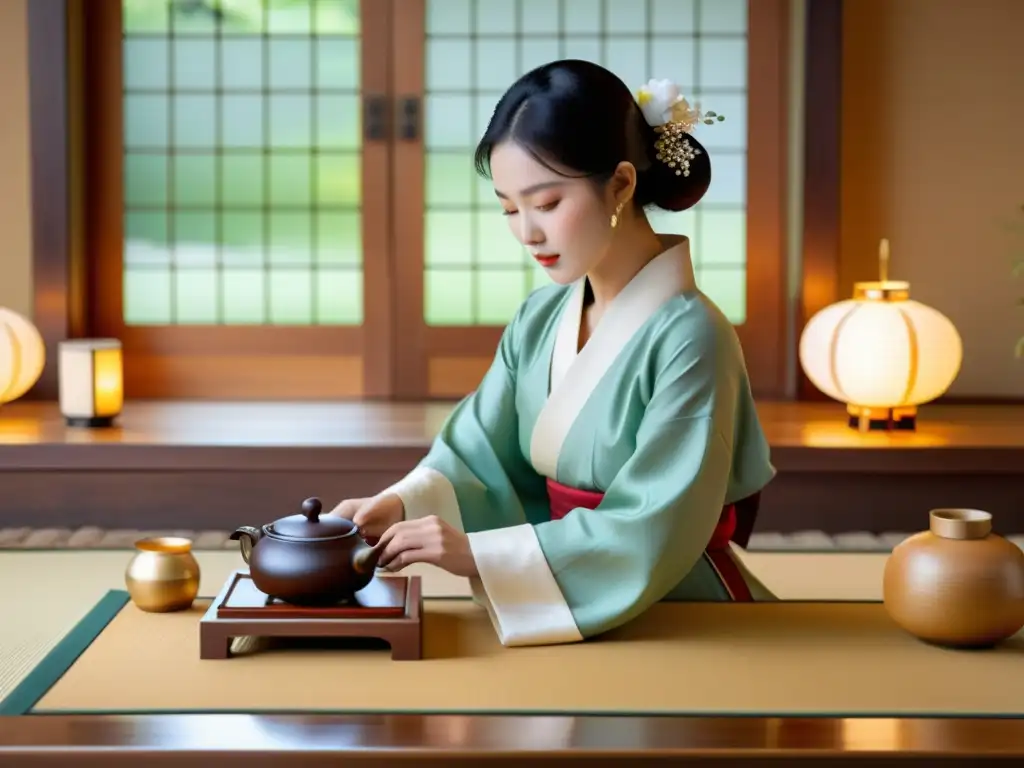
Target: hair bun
(671, 187)
(676, 190)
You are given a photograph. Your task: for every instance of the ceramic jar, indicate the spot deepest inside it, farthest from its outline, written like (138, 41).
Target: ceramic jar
(956, 584)
(163, 576)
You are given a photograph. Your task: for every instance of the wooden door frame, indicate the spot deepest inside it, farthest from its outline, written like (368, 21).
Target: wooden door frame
(60, 260)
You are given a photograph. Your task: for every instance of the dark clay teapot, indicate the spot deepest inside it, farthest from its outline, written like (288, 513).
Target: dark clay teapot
(307, 559)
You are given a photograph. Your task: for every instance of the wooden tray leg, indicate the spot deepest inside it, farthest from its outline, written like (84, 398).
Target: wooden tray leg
(405, 644)
(213, 644)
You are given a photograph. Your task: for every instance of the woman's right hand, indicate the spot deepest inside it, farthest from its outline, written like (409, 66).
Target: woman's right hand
(373, 515)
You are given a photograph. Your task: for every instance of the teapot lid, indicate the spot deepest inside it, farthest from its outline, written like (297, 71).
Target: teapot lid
(311, 525)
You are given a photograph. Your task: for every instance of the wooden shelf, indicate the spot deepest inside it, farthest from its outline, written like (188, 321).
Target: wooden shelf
(180, 434)
(215, 465)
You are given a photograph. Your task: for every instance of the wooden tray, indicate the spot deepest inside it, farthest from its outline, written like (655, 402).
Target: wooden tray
(389, 609)
(384, 597)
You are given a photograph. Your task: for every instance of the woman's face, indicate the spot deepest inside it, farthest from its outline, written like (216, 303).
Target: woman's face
(563, 222)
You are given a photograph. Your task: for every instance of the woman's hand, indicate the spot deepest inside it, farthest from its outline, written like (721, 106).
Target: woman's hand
(427, 540)
(373, 515)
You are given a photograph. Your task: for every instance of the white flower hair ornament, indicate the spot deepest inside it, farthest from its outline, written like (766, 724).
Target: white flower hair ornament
(673, 118)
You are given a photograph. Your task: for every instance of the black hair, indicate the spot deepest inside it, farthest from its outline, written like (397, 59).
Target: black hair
(580, 120)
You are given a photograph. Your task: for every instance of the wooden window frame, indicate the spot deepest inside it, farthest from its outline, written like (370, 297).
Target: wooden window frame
(227, 361)
(401, 358)
(439, 361)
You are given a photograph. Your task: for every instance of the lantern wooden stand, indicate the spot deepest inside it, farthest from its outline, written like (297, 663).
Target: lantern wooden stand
(864, 419)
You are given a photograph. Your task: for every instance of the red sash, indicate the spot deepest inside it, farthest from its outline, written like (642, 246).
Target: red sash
(562, 499)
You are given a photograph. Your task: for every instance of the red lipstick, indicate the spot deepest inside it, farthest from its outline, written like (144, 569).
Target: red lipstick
(546, 260)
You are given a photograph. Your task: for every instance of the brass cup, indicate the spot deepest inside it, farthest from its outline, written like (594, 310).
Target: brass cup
(163, 575)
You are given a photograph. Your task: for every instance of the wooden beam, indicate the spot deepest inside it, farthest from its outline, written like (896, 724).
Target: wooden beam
(50, 173)
(823, 96)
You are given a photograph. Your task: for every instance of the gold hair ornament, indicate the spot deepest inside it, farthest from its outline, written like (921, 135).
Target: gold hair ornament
(673, 119)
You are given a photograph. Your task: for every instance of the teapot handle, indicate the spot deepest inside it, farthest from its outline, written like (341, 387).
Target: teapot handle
(247, 537)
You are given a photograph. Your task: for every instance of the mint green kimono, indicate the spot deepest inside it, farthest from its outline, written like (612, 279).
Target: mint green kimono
(655, 411)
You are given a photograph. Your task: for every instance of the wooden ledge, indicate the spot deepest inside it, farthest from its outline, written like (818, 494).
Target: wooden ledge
(213, 466)
(283, 436)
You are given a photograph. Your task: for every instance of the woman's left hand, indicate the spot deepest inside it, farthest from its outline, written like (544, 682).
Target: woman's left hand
(427, 540)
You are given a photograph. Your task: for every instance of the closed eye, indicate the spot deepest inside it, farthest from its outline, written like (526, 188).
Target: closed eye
(547, 207)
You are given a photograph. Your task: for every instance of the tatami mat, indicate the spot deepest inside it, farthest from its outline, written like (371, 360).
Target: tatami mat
(45, 593)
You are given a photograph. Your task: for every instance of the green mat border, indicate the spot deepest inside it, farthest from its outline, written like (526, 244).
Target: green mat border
(23, 698)
(62, 656)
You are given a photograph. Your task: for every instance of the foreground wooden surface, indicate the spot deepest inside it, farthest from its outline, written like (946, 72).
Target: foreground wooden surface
(218, 465)
(418, 740)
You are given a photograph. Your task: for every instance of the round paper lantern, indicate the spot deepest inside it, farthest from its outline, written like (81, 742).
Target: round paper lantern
(881, 353)
(22, 355)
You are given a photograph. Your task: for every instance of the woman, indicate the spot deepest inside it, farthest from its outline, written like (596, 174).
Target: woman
(596, 469)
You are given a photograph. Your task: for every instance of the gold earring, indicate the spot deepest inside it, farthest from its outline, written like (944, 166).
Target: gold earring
(615, 216)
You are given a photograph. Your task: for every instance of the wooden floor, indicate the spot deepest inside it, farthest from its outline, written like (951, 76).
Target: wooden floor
(203, 464)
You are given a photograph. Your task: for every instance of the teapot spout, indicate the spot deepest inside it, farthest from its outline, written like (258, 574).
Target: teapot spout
(247, 537)
(365, 557)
